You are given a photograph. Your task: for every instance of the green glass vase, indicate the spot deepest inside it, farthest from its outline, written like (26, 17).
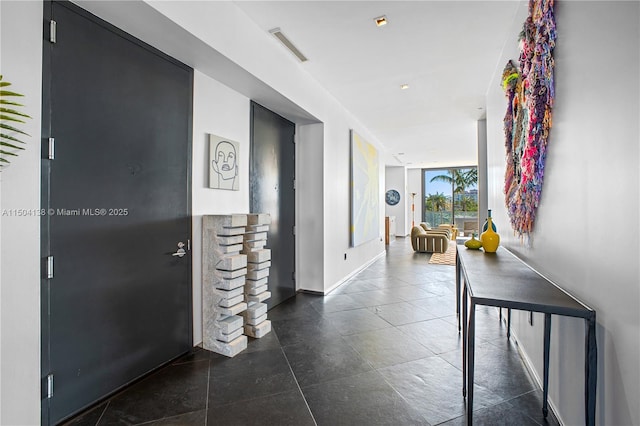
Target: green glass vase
(473, 243)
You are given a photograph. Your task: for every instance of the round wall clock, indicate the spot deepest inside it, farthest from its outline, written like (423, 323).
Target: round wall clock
(392, 197)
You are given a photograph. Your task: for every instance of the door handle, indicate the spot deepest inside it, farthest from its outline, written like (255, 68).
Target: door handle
(181, 252)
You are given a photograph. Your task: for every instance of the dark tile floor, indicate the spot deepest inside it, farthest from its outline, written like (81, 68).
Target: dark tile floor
(382, 349)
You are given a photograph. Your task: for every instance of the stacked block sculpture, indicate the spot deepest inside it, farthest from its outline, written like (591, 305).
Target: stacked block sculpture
(224, 271)
(258, 264)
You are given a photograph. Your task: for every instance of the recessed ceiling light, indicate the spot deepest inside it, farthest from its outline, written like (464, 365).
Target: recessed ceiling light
(404, 86)
(401, 153)
(380, 20)
(287, 43)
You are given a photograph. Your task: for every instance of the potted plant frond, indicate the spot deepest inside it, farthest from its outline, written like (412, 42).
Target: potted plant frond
(10, 119)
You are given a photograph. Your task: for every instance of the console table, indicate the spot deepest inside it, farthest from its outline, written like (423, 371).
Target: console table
(502, 280)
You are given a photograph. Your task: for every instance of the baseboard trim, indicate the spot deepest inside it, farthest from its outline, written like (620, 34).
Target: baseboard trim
(314, 292)
(355, 272)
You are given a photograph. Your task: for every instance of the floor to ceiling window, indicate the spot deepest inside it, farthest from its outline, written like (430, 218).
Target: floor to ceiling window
(451, 197)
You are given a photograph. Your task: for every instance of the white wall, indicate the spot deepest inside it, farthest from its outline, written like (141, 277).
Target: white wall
(21, 64)
(337, 200)
(586, 232)
(414, 184)
(482, 171)
(221, 111)
(396, 178)
(310, 198)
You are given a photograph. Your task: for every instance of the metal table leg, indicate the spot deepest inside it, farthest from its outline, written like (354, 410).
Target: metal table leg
(464, 341)
(471, 336)
(458, 290)
(545, 378)
(591, 375)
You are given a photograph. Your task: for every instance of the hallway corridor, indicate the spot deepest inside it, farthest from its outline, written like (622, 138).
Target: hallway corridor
(382, 349)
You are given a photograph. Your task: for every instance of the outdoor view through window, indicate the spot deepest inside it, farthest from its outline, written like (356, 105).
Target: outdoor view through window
(451, 194)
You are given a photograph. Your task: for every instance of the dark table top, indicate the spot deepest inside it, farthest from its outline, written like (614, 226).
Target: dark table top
(501, 279)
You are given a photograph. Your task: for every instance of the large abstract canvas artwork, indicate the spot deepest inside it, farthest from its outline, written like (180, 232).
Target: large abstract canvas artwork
(365, 194)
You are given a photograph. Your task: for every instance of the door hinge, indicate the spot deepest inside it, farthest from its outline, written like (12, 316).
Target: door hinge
(293, 276)
(188, 245)
(52, 149)
(50, 386)
(294, 184)
(293, 229)
(49, 267)
(52, 31)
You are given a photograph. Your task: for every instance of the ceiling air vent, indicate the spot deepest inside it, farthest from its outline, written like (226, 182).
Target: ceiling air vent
(287, 43)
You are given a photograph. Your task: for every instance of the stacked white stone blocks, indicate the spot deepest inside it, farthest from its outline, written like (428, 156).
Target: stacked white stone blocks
(258, 264)
(224, 271)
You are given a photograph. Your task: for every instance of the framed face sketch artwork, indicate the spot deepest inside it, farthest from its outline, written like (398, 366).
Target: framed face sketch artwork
(223, 163)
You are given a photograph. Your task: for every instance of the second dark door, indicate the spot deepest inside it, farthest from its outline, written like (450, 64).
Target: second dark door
(272, 191)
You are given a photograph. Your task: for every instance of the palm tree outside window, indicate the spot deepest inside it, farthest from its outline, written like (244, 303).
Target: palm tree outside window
(450, 196)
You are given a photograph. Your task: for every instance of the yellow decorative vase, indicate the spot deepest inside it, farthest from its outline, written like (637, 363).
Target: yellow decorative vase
(489, 238)
(473, 243)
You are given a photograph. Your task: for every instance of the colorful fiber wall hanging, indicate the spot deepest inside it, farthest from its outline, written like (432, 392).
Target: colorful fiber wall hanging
(529, 89)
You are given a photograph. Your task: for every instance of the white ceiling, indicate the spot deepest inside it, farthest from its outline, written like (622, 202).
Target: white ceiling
(446, 51)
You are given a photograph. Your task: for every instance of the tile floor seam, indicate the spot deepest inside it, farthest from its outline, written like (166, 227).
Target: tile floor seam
(150, 422)
(103, 411)
(295, 379)
(206, 404)
(402, 396)
(235, 401)
(362, 356)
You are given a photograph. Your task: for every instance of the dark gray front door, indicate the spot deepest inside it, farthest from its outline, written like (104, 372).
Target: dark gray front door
(272, 191)
(117, 195)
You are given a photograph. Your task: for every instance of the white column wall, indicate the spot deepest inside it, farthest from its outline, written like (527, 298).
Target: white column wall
(482, 171)
(221, 111)
(310, 208)
(21, 64)
(587, 227)
(337, 201)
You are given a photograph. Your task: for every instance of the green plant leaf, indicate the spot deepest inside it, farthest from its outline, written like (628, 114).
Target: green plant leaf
(10, 118)
(6, 102)
(10, 138)
(13, 129)
(9, 93)
(9, 141)
(8, 145)
(13, 111)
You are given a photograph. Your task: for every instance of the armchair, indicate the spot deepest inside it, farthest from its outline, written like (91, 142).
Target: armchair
(428, 242)
(440, 230)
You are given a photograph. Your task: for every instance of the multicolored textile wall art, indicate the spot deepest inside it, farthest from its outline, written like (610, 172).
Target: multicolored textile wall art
(529, 89)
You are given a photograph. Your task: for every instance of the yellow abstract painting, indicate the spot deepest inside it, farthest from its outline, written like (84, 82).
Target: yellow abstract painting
(365, 194)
